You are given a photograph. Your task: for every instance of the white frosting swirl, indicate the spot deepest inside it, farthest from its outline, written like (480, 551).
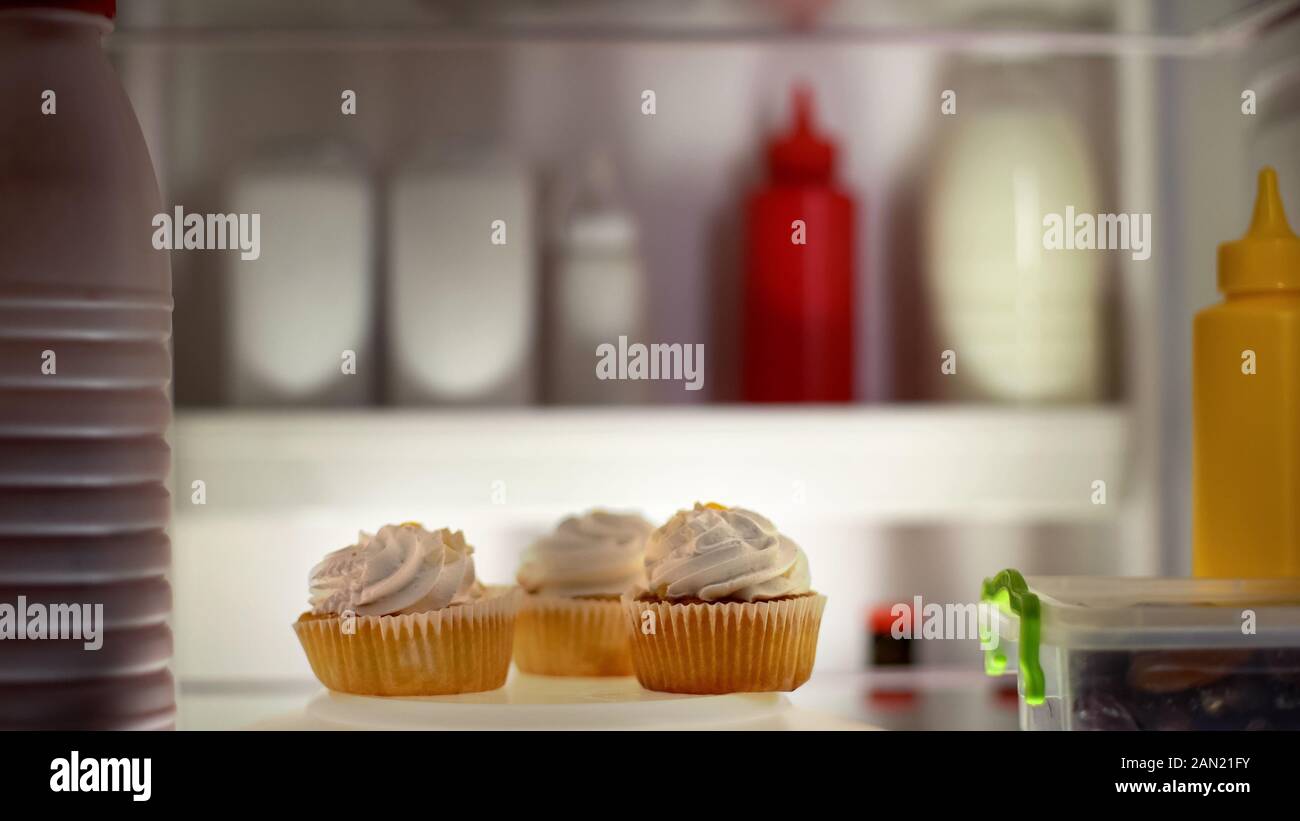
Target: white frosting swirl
(596, 554)
(401, 569)
(713, 553)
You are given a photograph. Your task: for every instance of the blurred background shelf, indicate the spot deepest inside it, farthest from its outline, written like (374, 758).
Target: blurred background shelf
(1061, 27)
(858, 465)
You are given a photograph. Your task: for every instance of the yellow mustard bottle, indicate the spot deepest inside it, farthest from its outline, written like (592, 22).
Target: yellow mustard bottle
(1246, 404)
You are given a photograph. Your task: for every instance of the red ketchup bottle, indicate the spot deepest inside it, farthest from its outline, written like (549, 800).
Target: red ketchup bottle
(798, 325)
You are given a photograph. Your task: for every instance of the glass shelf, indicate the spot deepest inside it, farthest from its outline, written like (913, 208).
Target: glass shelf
(865, 465)
(1162, 28)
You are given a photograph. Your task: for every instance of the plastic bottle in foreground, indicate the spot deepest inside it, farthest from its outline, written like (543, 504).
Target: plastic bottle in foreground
(1246, 404)
(85, 318)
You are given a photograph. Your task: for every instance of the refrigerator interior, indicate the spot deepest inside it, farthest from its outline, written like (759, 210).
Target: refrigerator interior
(904, 492)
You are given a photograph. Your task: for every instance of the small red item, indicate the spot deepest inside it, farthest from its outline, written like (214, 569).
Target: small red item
(881, 619)
(104, 8)
(799, 289)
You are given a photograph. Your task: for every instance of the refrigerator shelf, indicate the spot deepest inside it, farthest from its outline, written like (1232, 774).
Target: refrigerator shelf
(874, 465)
(1096, 27)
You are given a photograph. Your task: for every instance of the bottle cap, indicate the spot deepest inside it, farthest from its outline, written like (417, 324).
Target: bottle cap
(1267, 258)
(881, 618)
(104, 8)
(801, 155)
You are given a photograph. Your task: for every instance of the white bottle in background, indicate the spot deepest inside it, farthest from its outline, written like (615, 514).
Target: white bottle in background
(302, 312)
(1024, 322)
(85, 367)
(597, 293)
(461, 293)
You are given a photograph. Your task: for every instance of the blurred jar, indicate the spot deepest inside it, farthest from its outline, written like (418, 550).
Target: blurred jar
(299, 323)
(460, 315)
(1023, 322)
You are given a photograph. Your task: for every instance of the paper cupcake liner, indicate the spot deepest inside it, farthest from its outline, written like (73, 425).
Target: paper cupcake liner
(724, 647)
(556, 636)
(459, 649)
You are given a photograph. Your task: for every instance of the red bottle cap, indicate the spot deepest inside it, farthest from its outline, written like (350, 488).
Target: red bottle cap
(801, 155)
(881, 619)
(104, 8)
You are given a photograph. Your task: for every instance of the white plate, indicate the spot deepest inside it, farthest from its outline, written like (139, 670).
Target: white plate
(530, 702)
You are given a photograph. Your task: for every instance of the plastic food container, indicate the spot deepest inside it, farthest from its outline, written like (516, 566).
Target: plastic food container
(1097, 653)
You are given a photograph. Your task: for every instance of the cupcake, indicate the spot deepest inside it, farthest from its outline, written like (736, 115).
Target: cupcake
(400, 613)
(727, 609)
(570, 621)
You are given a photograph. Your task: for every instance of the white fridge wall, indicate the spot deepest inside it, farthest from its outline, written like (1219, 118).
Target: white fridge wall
(859, 489)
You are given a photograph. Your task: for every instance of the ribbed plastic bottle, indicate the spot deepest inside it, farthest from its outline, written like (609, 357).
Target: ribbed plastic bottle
(85, 322)
(1246, 404)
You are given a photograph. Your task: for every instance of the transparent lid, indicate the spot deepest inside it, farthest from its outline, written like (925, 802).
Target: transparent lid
(1136, 613)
